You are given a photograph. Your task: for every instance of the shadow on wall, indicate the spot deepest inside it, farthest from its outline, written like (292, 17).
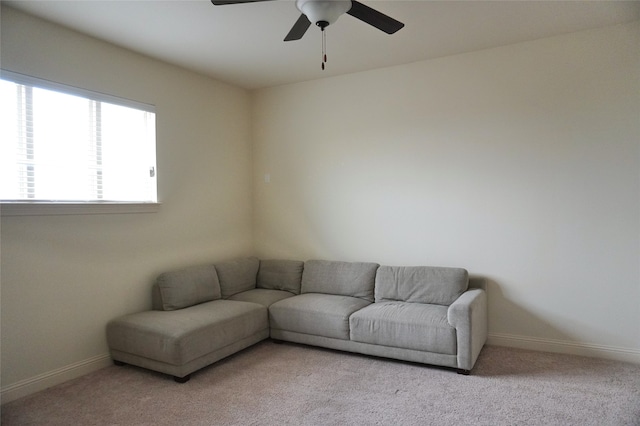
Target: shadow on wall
(512, 325)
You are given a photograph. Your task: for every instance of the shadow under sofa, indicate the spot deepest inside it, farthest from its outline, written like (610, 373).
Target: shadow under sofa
(202, 314)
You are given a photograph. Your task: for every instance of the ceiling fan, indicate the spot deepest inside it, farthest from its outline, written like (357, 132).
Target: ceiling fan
(326, 12)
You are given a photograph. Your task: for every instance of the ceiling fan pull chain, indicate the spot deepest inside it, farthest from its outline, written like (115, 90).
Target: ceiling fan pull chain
(324, 48)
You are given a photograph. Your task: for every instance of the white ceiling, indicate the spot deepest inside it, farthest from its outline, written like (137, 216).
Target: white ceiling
(243, 44)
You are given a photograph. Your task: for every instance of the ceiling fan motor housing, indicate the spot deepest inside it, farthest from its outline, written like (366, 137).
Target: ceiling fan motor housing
(323, 12)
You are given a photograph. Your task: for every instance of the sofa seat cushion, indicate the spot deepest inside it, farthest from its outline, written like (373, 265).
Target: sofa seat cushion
(317, 314)
(264, 297)
(180, 336)
(414, 326)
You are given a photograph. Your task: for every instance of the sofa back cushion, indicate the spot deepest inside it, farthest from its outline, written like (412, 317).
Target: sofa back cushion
(354, 279)
(186, 287)
(280, 275)
(420, 284)
(237, 275)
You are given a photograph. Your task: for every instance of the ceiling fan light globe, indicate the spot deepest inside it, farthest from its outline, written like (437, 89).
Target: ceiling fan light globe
(323, 10)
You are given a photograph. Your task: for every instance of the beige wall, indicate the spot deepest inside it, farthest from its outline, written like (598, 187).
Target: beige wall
(64, 277)
(520, 163)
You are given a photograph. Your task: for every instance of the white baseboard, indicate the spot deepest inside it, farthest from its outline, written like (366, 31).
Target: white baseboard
(52, 378)
(565, 347)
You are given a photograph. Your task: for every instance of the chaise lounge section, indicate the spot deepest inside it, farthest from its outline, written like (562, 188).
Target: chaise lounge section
(205, 313)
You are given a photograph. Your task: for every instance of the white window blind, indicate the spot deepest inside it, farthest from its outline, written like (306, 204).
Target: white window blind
(61, 144)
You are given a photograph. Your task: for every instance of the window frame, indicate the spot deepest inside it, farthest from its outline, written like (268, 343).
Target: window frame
(46, 207)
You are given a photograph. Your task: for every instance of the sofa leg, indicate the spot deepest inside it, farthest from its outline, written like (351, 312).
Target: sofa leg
(463, 371)
(184, 379)
(119, 363)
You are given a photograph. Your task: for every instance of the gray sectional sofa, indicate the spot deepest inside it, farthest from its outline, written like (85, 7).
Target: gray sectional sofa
(205, 313)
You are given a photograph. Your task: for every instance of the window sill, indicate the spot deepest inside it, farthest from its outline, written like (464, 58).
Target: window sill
(53, 209)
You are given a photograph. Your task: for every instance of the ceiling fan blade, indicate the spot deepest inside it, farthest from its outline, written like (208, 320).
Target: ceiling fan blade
(373, 17)
(299, 28)
(223, 2)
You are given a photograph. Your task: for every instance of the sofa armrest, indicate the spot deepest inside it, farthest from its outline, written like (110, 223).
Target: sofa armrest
(468, 314)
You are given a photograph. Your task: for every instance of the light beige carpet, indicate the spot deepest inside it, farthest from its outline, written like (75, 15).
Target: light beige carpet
(272, 384)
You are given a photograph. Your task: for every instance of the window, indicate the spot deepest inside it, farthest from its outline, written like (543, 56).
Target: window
(60, 144)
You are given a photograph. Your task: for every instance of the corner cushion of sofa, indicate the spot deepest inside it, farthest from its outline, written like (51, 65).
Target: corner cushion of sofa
(237, 275)
(262, 296)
